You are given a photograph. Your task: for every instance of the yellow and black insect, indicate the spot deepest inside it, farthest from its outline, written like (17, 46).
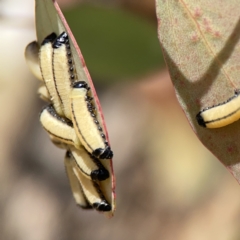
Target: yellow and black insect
(222, 114)
(71, 121)
(84, 118)
(87, 192)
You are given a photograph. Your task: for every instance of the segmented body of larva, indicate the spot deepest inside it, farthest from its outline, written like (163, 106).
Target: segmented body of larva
(221, 114)
(71, 121)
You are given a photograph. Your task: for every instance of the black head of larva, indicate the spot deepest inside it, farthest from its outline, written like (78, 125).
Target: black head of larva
(200, 120)
(103, 153)
(61, 39)
(68, 154)
(80, 84)
(103, 206)
(50, 38)
(100, 174)
(107, 154)
(237, 92)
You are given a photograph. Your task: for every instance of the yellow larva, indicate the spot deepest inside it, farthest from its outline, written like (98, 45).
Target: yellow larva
(89, 165)
(222, 114)
(31, 56)
(91, 190)
(45, 60)
(77, 190)
(86, 124)
(63, 134)
(63, 71)
(58, 127)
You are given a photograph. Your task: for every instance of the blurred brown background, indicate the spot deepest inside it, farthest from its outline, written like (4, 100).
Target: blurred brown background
(168, 185)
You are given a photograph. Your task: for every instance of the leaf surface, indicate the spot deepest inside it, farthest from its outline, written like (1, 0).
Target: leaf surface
(200, 41)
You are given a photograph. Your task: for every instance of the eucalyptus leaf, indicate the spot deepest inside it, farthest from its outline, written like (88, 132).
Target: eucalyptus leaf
(200, 41)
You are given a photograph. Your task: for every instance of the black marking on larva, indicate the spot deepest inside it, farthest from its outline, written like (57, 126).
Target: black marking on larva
(107, 153)
(101, 173)
(103, 153)
(99, 128)
(102, 206)
(80, 84)
(61, 39)
(97, 152)
(68, 154)
(96, 121)
(103, 135)
(70, 62)
(93, 115)
(200, 119)
(49, 39)
(90, 110)
(89, 105)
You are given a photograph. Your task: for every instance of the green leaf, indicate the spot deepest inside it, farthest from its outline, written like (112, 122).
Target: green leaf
(200, 41)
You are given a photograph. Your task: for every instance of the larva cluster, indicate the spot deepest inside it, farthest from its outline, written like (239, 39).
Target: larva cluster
(71, 121)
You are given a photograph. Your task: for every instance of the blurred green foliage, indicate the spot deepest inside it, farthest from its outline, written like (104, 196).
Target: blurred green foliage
(115, 44)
